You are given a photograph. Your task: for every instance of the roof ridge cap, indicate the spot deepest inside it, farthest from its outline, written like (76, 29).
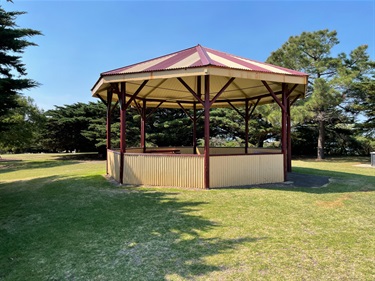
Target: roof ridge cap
(204, 57)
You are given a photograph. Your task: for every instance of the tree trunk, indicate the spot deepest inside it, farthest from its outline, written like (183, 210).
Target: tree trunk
(261, 139)
(321, 140)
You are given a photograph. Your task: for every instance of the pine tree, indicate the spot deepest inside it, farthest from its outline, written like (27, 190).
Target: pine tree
(13, 42)
(330, 77)
(363, 100)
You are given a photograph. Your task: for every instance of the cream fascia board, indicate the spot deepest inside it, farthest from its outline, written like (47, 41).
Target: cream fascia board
(216, 71)
(173, 73)
(97, 88)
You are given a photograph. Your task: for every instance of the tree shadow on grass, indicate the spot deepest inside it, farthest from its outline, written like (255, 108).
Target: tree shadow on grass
(84, 228)
(57, 161)
(338, 159)
(339, 181)
(11, 166)
(89, 156)
(317, 181)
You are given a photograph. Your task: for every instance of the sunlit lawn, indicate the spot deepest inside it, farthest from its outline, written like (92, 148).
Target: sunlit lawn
(62, 220)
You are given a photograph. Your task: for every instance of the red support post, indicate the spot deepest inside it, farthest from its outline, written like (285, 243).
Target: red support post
(199, 86)
(284, 129)
(195, 128)
(195, 117)
(207, 105)
(247, 117)
(122, 118)
(122, 129)
(289, 139)
(143, 127)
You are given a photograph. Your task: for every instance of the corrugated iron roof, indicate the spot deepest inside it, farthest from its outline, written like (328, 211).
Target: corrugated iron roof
(199, 56)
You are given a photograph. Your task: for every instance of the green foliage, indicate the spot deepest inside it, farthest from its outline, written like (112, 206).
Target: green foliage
(366, 144)
(65, 124)
(25, 123)
(170, 127)
(226, 123)
(228, 127)
(265, 124)
(304, 139)
(96, 129)
(13, 43)
(310, 53)
(82, 127)
(362, 96)
(331, 79)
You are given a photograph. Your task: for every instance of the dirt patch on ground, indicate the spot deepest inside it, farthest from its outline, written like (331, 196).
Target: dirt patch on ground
(364, 166)
(339, 202)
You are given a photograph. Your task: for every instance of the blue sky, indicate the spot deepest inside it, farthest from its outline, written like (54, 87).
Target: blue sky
(84, 38)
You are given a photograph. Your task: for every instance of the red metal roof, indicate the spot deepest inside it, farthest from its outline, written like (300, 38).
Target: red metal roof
(199, 56)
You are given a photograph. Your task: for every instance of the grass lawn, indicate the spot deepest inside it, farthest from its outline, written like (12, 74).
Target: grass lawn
(60, 219)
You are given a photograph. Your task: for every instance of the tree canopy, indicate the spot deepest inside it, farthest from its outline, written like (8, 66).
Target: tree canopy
(65, 126)
(330, 78)
(13, 42)
(25, 125)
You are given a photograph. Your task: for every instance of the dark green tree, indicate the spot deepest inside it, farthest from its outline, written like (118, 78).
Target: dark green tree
(82, 127)
(172, 127)
(25, 126)
(97, 130)
(13, 42)
(169, 127)
(64, 127)
(227, 124)
(330, 78)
